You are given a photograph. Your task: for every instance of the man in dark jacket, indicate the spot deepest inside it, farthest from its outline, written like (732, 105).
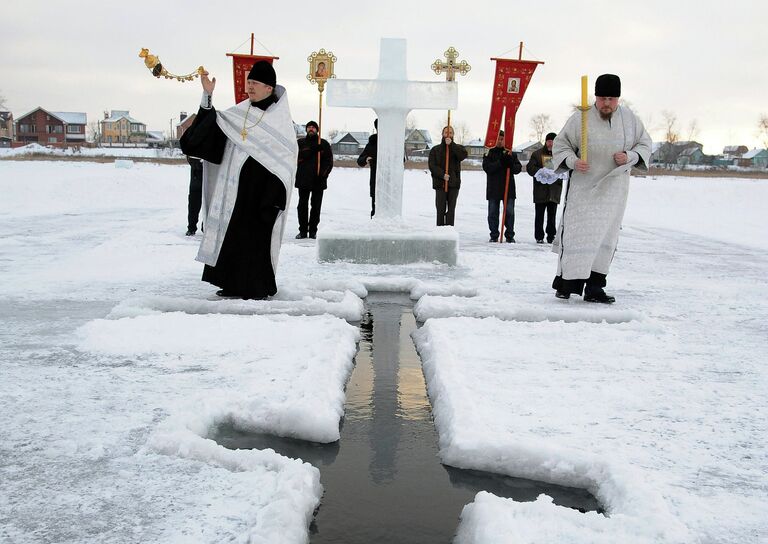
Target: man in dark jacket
(368, 156)
(546, 196)
(446, 181)
(312, 180)
(496, 163)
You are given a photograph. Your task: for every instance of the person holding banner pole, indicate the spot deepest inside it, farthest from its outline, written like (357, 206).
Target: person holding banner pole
(445, 166)
(500, 166)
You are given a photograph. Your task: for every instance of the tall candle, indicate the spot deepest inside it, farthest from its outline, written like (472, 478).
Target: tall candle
(584, 110)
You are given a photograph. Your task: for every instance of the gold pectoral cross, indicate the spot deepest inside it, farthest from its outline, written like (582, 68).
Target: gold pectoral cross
(244, 133)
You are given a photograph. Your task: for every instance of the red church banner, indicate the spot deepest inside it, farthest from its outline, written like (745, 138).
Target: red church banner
(241, 65)
(509, 86)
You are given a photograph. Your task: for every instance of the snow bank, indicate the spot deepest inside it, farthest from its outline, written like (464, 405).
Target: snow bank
(281, 375)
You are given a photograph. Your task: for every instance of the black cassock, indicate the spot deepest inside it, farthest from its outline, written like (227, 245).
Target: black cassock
(244, 266)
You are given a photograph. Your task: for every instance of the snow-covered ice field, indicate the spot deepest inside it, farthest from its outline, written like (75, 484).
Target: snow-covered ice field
(117, 364)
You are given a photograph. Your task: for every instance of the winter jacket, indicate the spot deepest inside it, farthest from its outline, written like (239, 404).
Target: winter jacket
(495, 164)
(437, 165)
(307, 176)
(543, 193)
(370, 151)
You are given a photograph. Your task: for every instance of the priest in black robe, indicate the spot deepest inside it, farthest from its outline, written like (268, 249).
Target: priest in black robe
(249, 153)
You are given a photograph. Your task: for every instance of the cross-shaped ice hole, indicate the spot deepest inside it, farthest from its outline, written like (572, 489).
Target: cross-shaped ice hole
(383, 480)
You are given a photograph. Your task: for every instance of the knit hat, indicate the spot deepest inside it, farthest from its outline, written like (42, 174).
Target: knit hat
(608, 85)
(311, 124)
(550, 136)
(263, 72)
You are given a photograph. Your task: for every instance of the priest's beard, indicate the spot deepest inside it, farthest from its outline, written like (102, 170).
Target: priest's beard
(606, 116)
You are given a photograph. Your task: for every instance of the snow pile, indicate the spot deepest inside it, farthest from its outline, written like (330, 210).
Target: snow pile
(564, 403)
(510, 310)
(255, 388)
(345, 305)
(137, 152)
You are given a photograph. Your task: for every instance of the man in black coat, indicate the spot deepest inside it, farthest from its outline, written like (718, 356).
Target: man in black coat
(546, 196)
(446, 181)
(368, 156)
(312, 180)
(496, 163)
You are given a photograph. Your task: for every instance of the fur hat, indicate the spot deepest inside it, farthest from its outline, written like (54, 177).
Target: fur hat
(263, 72)
(608, 85)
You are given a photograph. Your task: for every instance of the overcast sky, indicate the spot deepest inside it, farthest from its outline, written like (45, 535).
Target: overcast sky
(703, 61)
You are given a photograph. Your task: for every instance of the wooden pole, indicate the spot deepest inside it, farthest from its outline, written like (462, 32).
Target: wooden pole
(584, 111)
(445, 184)
(251, 43)
(506, 183)
(520, 55)
(319, 127)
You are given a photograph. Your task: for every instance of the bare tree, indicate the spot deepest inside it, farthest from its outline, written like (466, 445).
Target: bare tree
(461, 132)
(540, 124)
(2, 102)
(410, 122)
(94, 132)
(762, 126)
(669, 126)
(333, 133)
(693, 130)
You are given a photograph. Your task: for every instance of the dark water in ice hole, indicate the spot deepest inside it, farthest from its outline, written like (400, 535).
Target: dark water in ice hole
(383, 480)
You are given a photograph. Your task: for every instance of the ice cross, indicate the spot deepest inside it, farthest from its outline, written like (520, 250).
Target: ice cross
(391, 96)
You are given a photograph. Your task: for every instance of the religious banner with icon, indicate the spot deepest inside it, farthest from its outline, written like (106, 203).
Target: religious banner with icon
(321, 65)
(241, 66)
(509, 86)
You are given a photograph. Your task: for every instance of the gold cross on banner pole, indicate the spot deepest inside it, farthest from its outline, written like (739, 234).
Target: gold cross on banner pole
(450, 67)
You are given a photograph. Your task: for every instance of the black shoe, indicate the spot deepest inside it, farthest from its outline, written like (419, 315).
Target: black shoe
(300, 236)
(598, 296)
(550, 240)
(493, 239)
(539, 241)
(226, 294)
(313, 236)
(191, 232)
(562, 294)
(511, 240)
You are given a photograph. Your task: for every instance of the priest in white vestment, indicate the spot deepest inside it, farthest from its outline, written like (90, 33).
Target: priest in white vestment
(597, 190)
(249, 153)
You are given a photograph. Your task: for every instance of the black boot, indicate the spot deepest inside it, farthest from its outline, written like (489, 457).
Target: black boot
(562, 294)
(597, 294)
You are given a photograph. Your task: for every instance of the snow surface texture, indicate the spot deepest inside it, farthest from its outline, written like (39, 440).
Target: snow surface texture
(117, 361)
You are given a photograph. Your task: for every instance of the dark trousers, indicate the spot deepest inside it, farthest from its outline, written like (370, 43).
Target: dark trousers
(308, 221)
(194, 202)
(446, 205)
(509, 220)
(551, 209)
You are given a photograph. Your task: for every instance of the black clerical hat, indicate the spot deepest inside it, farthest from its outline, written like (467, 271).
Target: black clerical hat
(608, 85)
(263, 72)
(311, 124)
(550, 136)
